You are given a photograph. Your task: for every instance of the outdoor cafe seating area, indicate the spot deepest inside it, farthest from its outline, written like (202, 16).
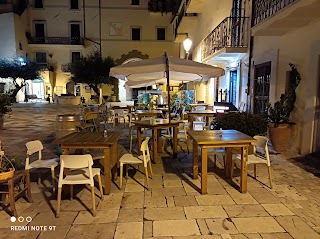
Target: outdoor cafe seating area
(193, 178)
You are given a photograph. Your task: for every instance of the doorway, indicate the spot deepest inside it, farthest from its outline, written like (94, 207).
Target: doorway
(316, 137)
(75, 33)
(233, 87)
(261, 87)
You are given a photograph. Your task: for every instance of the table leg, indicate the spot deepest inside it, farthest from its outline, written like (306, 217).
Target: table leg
(139, 139)
(12, 197)
(175, 141)
(195, 160)
(190, 120)
(155, 145)
(160, 142)
(228, 162)
(204, 170)
(114, 169)
(244, 169)
(107, 173)
(207, 120)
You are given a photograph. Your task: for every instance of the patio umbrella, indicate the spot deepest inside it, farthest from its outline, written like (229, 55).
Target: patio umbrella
(164, 69)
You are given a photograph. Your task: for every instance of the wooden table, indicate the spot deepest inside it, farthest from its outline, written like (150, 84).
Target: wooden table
(213, 139)
(144, 113)
(199, 113)
(95, 140)
(156, 125)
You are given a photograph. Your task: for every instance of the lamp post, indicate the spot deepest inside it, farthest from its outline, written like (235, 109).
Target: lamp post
(187, 43)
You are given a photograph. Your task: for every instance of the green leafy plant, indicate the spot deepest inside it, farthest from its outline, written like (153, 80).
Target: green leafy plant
(5, 103)
(281, 110)
(247, 123)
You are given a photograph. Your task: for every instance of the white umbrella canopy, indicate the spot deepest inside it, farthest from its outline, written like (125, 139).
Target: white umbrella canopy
(164, 69)
(157, 70)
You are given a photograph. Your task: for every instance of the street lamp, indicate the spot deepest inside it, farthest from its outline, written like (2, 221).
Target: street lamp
(187, 43)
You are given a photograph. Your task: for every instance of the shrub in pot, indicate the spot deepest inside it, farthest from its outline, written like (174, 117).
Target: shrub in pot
(5, 106)
(280, 126)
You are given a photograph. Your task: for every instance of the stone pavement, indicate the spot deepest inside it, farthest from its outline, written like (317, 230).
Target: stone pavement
(173, 208)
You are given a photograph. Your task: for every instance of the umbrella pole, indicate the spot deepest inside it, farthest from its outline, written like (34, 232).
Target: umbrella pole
(168, 85)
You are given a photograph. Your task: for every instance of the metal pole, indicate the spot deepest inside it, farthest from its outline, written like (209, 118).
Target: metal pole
(168, 81)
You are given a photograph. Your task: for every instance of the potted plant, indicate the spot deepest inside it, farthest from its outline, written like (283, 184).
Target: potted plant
(5, 106)
(280, 126)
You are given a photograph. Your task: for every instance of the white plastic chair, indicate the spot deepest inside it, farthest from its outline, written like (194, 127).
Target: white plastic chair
(90, 121)
(142, 159)
(117, 114)
(181, 136)
(132, 127)
(260, 156)
(79, 171)
(37, 147)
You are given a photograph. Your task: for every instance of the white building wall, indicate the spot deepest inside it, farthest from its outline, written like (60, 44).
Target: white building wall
(7, 36)
(301, 47)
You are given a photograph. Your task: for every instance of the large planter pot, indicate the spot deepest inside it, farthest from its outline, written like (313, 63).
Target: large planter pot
(280, 136)
(1, 121)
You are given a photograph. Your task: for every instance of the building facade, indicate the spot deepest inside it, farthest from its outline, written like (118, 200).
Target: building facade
(56, 33)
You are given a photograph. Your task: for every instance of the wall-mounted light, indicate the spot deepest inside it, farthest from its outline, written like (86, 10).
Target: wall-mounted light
(187, 43)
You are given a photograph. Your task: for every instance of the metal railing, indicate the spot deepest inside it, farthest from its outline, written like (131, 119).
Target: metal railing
(181, 14)
(65, 67)
(231, 32)
(263, 9)
(56, 40)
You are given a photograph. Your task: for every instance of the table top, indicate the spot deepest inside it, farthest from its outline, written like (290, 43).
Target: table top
(212, 137)
(155, 123)
(89, 139)
(201, 112)
(148, 112)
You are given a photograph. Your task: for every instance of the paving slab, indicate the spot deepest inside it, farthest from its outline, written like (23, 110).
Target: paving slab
(175, 228)
(257, 225)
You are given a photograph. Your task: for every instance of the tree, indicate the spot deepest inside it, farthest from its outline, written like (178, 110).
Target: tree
(93, 70)
(15, 70)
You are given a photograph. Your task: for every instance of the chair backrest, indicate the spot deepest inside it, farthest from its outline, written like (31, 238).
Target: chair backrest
(91, 116)
(145, 151)
(200, 108)
(76, 162)
(119, 112)
(261, 143)
(198, 125)
(33, 147)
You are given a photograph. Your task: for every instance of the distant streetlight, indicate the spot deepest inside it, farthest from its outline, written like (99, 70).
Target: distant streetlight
(187, 43)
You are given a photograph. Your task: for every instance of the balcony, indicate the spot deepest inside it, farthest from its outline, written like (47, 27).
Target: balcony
(184, 20)
(228, 41)
(277, 17)
(56, 40)
(65, 68)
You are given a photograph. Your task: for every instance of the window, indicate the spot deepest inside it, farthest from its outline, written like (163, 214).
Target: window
(161, 33)
(41, 57)
(75, 56)
(38, 4)
(135, 2)
(74, 4)
(135, 33)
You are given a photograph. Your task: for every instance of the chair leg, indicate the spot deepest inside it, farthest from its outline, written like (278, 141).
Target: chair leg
(270, 177)
(150, 168)
(255, 171)
(187, 142)
(39, 178)
(71, 192)
(121, 174)
(147, 177)
(215, 160)
(100, 186)
(130, 135)
(53, 180)
(94, 212)
(59, 202)
(127, 169)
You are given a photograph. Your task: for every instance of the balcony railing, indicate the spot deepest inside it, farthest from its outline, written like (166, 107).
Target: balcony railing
(181, 14)
(231, 32)
(56, 40)
(65, 67)
(263, 9)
